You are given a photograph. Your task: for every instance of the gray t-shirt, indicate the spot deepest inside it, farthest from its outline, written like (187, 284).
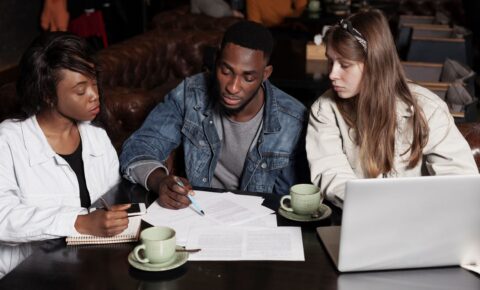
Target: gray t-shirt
(237, 138)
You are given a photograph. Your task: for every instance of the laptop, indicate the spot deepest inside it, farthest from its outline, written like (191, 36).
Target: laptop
(412, 222)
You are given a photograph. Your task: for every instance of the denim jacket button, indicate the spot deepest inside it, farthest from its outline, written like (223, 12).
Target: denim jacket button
(264, 165)
(211, 122)
(204, 179)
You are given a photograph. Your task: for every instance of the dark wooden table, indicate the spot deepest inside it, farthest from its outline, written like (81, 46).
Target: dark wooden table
(55, 266)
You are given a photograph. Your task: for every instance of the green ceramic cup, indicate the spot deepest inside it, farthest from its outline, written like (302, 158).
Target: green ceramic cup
(304, 199)
(157, 244)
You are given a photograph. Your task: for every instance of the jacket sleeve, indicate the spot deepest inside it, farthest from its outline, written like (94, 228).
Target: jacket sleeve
(329, 166)
(159, 135)
(21, 222)
(447, 151)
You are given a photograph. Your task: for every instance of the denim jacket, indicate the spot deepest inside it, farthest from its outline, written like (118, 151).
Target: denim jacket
(275, 162)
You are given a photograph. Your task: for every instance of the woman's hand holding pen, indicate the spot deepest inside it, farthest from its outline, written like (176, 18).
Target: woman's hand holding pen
(104, 223)
(170, 193)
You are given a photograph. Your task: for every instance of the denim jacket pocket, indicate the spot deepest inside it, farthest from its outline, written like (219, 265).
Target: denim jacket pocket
(197, 153)
(263, 180)
(274, 161)
(194, 134)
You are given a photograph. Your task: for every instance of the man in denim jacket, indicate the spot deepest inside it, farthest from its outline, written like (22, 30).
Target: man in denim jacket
(237, 130)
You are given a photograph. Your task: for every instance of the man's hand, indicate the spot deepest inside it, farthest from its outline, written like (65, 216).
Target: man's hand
(104, 223)
(171, 194)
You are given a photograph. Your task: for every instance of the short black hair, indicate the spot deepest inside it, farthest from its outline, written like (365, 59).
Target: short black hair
(250, 35)
(40, 66)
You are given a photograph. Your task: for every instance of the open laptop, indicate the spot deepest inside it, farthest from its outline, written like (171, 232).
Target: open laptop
(407, 223)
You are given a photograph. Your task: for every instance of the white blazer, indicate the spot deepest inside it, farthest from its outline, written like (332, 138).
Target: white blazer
(39, 192)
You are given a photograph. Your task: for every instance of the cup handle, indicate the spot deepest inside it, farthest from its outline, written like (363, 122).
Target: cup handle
(137, 256)
(284, 207)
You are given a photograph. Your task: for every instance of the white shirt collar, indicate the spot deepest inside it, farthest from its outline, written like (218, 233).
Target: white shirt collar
(39, 150)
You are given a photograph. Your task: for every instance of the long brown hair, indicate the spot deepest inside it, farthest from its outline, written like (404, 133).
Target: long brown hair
(372, 114)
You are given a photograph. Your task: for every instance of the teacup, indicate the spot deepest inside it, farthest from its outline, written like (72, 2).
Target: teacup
(158, 245)
(304, 199)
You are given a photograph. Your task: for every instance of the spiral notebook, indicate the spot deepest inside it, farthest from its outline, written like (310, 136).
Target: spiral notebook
(130, 234)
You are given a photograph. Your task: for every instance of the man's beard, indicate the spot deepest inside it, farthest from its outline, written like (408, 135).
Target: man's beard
(234, 111)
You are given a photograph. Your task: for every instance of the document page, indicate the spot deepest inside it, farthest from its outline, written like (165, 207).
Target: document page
(230, 212)
(220, 209)
(222, 243)
(180, 220)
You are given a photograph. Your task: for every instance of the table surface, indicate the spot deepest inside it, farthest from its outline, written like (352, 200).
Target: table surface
(55, 266)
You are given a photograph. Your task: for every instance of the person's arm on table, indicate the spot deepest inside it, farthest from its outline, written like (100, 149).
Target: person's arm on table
(144, 153)
(329, 166)
(103, 222)
(170, 193)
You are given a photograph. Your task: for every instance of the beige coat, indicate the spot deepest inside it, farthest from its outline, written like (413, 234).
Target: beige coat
(334, 157)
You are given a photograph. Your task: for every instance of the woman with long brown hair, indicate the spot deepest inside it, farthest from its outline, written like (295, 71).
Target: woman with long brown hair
(373, 122)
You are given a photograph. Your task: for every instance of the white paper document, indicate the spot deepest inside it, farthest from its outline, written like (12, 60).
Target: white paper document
(179, 220)
(222, 243)
(220, 209)
(269, 221)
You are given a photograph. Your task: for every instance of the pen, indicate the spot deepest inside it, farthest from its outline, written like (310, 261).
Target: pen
(105, 204)
(192, 200)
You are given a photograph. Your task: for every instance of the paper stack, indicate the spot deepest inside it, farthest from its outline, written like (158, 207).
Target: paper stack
(235, 227)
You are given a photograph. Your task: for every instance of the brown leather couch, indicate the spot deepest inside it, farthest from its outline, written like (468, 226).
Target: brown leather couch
(170, 20)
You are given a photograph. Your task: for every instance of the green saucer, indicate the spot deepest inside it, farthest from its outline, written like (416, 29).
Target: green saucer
(323, 209)
(179, 258)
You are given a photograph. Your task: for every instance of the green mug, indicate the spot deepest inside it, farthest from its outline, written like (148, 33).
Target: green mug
(304, 199)
(158, 245)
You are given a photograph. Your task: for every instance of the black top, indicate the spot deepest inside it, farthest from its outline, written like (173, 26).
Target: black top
(76, 163)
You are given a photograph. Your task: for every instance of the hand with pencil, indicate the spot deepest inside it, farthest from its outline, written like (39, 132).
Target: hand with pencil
(173, 191)
(106, 222)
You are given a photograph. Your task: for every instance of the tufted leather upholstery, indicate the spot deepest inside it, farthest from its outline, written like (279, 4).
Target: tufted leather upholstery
(139, 72)
(169, 20)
